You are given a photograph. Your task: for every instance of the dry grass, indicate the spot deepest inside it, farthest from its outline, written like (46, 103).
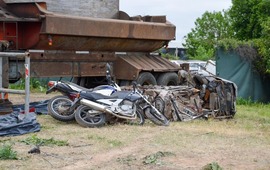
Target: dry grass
(240, 143)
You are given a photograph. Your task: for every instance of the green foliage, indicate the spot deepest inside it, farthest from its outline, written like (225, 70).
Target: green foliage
(35, 85)
(6, 152)
(248, 16)
(34, 140)
(232, 43)
(169, 56)
(245, 27)
(251, 22)
(203, 54)
(202, 41)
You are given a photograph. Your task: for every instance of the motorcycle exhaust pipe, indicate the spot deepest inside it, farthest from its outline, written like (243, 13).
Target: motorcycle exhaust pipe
(102, 108)
(95, 106)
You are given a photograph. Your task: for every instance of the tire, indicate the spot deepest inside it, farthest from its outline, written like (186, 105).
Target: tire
(158, 119)
(168, 79)
(146, 78)
(159, 103)
(58, 106)
(200, 79)
(139, 121)
(85, 119)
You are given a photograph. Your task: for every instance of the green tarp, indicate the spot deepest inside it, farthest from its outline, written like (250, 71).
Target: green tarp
(230, 66)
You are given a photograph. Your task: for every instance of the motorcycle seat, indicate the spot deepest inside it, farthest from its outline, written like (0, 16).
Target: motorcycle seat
(97, 96)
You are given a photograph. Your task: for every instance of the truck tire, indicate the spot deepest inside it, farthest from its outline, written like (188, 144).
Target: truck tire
(146, 78)
(168, 79)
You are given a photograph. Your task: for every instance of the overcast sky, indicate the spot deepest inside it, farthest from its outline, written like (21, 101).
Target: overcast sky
(182, 13)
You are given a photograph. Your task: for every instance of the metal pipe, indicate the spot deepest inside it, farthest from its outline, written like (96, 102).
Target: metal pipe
(4, 90)
(102, 108)
(1, 76)
(27, 83)
(10, 54)
(27, 77)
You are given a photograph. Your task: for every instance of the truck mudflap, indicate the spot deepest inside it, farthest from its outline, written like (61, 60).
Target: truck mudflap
(130, 66)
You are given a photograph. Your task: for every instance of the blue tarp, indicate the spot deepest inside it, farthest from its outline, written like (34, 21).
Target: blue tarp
(12, 124)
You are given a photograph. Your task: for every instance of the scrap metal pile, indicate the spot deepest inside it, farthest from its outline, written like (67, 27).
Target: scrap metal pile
(201, 97)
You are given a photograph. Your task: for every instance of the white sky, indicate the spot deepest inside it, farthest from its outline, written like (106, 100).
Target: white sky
(182, 13)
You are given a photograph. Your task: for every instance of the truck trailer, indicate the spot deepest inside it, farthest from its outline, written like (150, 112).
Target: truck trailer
(77, 38)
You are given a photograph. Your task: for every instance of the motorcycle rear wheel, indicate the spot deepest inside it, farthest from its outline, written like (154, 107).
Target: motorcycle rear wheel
(158, 119)
(58, 108)
(85, 119)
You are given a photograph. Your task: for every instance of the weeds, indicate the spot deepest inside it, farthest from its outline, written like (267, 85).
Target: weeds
(34, 140)
(6, 152)
(212, 166)
(114, 143)
(242, 101)
(36, 85)
(155, 158)
(127, 160)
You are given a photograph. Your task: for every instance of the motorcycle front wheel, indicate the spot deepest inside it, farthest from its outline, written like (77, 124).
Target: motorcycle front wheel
(58, 108)
(86, 118)
(140, 119)
(156, 118)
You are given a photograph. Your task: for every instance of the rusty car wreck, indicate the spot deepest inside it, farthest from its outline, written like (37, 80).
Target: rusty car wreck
(200, 97)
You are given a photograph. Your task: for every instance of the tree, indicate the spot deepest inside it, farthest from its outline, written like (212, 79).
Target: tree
(209, 29)
(247, 17)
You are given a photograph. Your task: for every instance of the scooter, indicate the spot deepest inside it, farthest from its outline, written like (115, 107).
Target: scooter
(130, 105)
(58, 106)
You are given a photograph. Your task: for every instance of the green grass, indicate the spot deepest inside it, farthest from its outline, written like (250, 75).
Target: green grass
(254, 116)
(34, 140)
(6, 152)
(101, 139)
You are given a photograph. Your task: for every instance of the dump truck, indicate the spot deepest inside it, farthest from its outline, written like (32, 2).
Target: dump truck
(77, 38)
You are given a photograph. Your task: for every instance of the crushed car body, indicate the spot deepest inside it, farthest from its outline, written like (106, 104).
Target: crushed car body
(199, 97)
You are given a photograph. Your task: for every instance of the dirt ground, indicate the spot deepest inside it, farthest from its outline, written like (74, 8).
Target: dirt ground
(182, 145)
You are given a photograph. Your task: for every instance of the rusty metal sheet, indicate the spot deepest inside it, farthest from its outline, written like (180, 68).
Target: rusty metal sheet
(66, 32)
(93, 27)
(66, 64)
(129, 66)
(91, 34)
(23, 10)
(64, 42)
(67, 69)
(72, 56)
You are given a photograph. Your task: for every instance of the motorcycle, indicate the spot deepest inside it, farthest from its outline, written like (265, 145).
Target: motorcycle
(129, 105)
(59, 106)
